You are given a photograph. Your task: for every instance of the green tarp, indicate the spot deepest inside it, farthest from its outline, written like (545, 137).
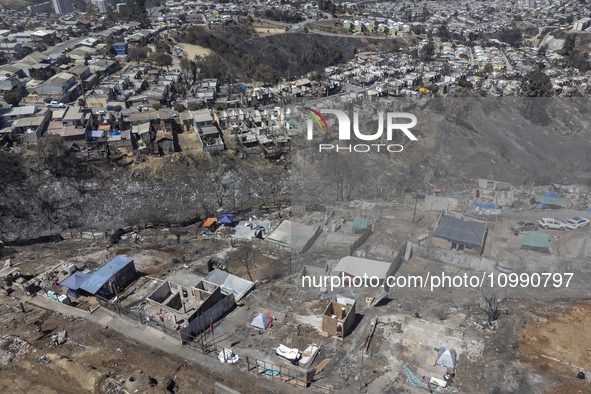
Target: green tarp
(413, 380)
(561, 202)
(359, 224)
(535, 241)
(568, 188)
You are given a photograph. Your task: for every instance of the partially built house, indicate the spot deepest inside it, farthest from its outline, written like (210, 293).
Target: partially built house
(493, 192)
(338, 317)
(187, 303)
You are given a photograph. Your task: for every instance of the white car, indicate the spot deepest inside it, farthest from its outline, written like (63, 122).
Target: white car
(101, 112)
(142, 108)
(576, 222)
(549, 223)
(55, 104)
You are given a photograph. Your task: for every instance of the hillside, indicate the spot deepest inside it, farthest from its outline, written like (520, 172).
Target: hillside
(514, 140)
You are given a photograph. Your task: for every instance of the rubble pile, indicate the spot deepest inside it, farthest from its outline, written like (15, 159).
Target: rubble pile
(62, 337)
(349, 371)
(113, 387)
(14, 347)
(474, 350)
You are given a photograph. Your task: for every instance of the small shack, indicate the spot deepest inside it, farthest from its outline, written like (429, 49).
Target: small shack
(230, 284)
(538, 242)
(352, 269)
(73, 283)
(461, 233)
(210, 223)
(544, 202)
(359, 225)
(338, 317)
(111, 278)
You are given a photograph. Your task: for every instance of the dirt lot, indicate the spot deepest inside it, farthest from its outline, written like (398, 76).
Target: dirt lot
(106, 358)
(268, 31)
(195, 50)
(561, 336)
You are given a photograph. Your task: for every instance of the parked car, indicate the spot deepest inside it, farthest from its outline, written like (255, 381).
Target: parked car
(101, 112)
(142, 108)
(551, 224)
(315, 208)
(576, 222)
(55, 104)
(524, 225)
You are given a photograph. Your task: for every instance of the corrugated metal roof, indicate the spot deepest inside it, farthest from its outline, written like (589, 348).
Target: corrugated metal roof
(102, 276)
(76, 280)
(357, 266)
(468, 233)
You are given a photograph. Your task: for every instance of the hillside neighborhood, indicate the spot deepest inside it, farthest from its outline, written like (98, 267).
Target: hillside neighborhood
(194, 198)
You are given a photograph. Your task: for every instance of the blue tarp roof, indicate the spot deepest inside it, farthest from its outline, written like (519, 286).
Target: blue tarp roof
(551, 194)
(96, 133)
(227, 219)
(487, 206)
(102, 276)
(74, 281)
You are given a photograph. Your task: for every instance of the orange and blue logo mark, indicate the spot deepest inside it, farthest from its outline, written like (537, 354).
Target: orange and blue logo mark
(315, 118)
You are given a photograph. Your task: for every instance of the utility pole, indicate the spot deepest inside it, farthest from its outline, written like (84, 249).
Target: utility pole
(361, 370)
(117, 296)
(202, 334)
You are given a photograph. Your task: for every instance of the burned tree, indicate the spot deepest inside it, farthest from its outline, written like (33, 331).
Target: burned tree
(492, 306)
(178, 233)
(346, 172)
(246, 256)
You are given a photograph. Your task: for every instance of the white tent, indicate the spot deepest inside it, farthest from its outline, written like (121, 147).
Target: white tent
(447, 357)
(261, 321)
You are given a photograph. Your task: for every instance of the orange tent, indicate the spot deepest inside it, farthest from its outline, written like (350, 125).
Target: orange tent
(209, 222)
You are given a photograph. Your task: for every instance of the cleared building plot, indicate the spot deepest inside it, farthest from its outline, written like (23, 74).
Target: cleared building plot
(293, 236)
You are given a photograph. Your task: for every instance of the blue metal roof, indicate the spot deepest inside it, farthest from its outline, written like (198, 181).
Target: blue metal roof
(75, 280)
(102, 276)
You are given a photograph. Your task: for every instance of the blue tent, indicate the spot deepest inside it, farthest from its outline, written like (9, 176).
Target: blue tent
(74, 281)
(551, 194)
(226, 219)
(487, 206)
